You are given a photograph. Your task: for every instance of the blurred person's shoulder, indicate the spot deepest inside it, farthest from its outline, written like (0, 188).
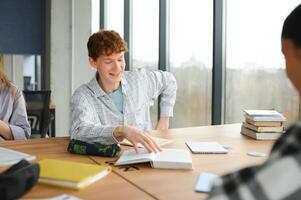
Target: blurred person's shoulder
(294, 129)
(290, 141)
(12, 92)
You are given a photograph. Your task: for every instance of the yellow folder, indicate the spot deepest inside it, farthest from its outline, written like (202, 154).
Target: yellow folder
(69, 174)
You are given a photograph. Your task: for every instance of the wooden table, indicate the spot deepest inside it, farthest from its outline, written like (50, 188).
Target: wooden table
(143, 182)
(180, 184)
(110, 187)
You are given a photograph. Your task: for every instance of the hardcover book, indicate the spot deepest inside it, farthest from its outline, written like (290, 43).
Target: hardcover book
(264, 115)
(263, 123)
(259, 136)
(264, 129)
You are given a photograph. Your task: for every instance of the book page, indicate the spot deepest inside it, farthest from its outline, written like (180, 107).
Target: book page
(130, 157)
(10, 157)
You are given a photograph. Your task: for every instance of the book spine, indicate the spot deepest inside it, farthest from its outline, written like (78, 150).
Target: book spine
(259, 136)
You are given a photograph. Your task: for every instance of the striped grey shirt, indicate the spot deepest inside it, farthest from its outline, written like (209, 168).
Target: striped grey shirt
(94, 115)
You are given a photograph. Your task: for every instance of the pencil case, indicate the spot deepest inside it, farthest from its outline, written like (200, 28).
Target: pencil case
(95, 149)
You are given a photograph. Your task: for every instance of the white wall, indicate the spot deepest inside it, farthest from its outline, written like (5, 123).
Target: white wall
(81, 19)
(70, 30)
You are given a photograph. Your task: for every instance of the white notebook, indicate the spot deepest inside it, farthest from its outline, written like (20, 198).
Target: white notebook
(205, 182)
(10, 157)
(206, 147)
(166, 159)
(159, 141)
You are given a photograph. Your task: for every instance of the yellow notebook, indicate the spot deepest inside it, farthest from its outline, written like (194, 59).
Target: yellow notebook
(69, 174)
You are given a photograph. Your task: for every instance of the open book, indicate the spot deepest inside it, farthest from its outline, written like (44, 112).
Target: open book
(159, 141)
(69, 174)
(166, 159)
(10, 157)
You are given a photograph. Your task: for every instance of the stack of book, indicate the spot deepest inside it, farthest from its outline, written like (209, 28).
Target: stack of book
(263, 124)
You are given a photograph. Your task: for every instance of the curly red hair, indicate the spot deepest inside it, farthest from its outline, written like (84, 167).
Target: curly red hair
(105, 42)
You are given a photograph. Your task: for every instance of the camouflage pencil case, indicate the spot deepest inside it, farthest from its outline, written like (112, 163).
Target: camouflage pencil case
(95, 149)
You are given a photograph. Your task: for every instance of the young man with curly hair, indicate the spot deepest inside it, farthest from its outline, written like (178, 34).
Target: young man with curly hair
(115, 104)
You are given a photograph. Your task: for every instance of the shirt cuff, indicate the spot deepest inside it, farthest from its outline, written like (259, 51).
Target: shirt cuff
(18, 133)
(166, 111)
(108, 134)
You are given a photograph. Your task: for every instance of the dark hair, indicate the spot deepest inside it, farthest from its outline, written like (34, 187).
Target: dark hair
(292, 27)
(105, 42)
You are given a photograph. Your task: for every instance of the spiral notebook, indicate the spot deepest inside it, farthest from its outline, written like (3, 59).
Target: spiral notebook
(206, 147)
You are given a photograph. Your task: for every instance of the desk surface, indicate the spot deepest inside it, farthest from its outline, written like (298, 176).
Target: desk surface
(180, 184)
(143, 182)
(110, 187)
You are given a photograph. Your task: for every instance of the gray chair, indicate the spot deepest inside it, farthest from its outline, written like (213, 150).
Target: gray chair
(37, 105)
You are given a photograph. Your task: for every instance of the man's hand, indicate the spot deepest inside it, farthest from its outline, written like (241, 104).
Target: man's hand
(163, 123)
(136, 136)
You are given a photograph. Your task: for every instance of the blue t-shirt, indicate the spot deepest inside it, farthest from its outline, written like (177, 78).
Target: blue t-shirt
(117, 98)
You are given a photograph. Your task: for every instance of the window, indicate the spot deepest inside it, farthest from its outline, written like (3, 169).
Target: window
(191, 34)
(146, 34)
(32, 72)
(146, 40)
(255, 71)
(94, 16)
(115, 16)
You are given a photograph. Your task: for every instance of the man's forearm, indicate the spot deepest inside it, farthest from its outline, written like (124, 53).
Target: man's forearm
(163, 123)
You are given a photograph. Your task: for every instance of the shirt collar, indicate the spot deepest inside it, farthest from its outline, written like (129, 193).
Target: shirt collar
(93, 85)
(124, 84)
(98, 91)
